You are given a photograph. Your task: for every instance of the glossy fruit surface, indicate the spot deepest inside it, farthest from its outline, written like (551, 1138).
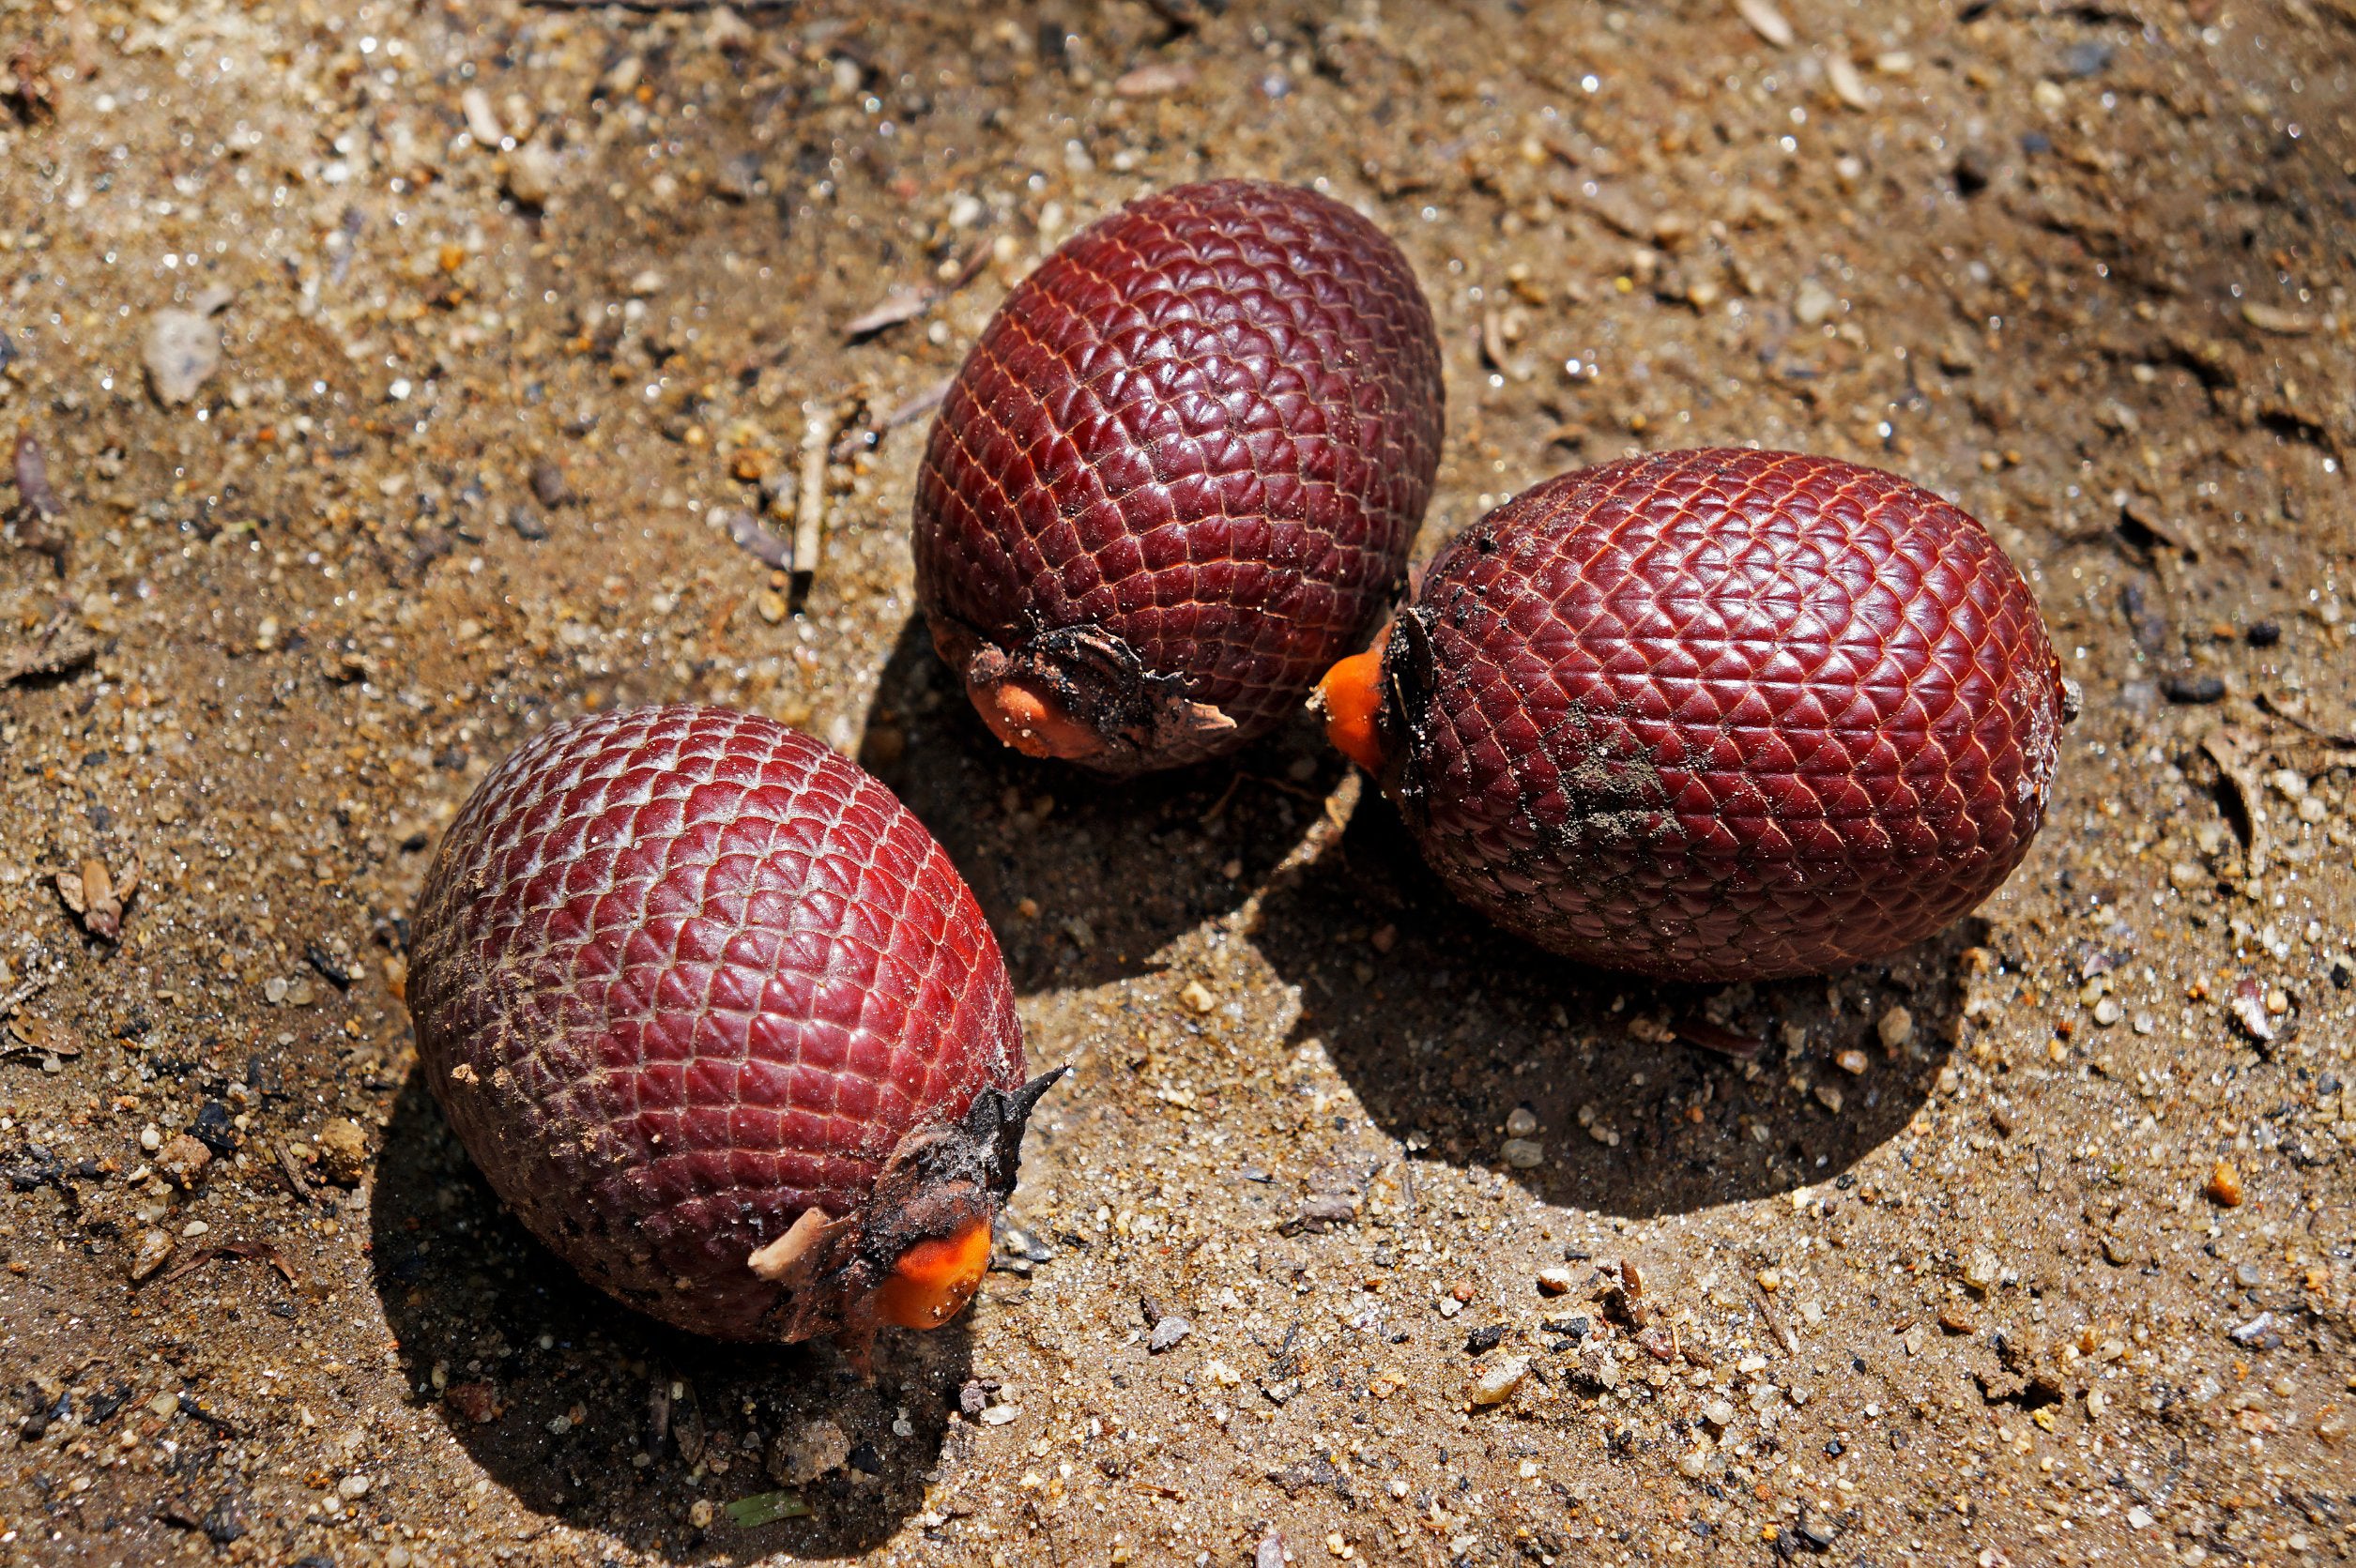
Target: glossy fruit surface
(1724, 714)
(1178, 475)
(682, 977)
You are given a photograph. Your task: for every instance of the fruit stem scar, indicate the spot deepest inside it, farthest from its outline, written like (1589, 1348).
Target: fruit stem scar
(934, 1279)
(773, 1261)
(1351, 696)
(1021, 713)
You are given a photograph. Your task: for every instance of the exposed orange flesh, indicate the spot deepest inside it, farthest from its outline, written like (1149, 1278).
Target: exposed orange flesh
(1033, 722)
(933, 1280)
(1352, 696)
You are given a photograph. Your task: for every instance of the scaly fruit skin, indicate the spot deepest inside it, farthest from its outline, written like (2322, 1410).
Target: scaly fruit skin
(1179, 474)
(1723, 715)
(681, 973)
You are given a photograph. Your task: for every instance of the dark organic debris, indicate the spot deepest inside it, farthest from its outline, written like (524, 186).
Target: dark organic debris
(908, 302)
(38, 1037)
(59, 647)
(763, 547)
(27, 88)
(33, 490)
(1321, 1211)
(261, 1250)
(2294, 709)
(98, 896)
(901, 304)
(1312, 1472)
(1707, 1036)
(2146, 523)
(38, 504)
(330, 968)
(918, 403)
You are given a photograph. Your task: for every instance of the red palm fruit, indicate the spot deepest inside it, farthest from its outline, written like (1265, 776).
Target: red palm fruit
(718, 1019)
(1178, 475)
(1716, 715)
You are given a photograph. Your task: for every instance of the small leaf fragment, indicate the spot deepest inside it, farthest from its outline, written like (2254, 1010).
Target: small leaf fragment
(765, 1508)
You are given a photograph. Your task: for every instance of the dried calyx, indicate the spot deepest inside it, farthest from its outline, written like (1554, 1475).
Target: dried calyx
(1081, 694)
(913, 1253)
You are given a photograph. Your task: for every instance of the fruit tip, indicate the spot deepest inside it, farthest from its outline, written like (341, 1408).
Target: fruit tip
(1351, 698)
(932, 1281)
(1031, 718)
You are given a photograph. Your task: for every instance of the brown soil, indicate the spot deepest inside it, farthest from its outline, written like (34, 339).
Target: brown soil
(468, 463)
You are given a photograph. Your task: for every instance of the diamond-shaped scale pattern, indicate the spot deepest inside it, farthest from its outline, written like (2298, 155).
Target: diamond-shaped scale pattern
(678, 974)
(1727, 714)
(1207, 425)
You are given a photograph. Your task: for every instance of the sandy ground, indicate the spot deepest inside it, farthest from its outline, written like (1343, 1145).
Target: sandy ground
(516, 310)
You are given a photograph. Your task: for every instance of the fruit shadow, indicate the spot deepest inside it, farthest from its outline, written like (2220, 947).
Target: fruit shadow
(1444, 1027)
(592, 1416)
(1085, 878)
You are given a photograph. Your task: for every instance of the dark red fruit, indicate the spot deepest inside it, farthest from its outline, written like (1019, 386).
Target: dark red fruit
(1178, 475)
(721, 1023)
(1717, 715)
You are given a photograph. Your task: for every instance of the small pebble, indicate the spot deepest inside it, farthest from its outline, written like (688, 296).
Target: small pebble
(182, 1161)
(1895, 1028)
(1169, 1332)
(2225, 1185)
(1522, 1122)
(1718, 1413)
(1766, 20)
(1523, 1153)
(352, 1486)
(182, 350)
(550, 486)
(1496, 1384)
(2107, 1011)
(1555, 1281)
(1198, 997)
(342, 1151)
(820, 1448)
(1981, 1271)
(149, 1253)
(1853, 1061)
(531, 174)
